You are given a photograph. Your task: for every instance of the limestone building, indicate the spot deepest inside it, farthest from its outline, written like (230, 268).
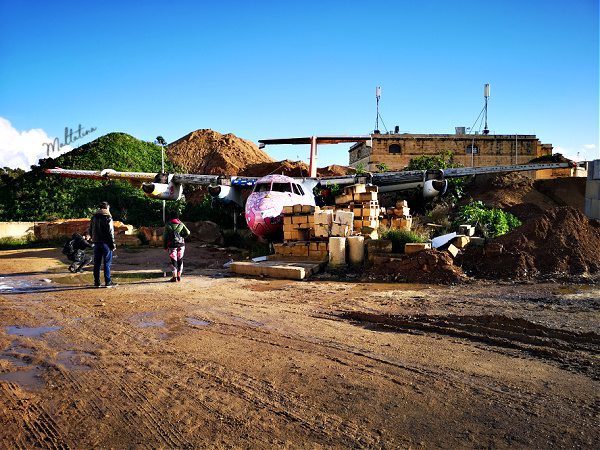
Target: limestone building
(478, 150)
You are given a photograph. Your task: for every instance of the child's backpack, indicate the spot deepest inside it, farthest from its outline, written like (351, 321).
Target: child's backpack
(68, 248)
(177, 239)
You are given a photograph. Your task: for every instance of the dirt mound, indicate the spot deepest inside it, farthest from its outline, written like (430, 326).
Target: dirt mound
(560, 243)
(293, 169)
(524, 197)
(210, 153)
(207, 152)
(426, 266)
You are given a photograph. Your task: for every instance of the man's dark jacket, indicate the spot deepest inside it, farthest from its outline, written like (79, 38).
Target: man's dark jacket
(101, 228)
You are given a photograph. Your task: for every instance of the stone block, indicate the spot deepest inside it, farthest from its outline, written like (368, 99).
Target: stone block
(461, 241)
(476, 240)
(493, 250)
(592, 189)
(414, 247)
(379, 246)
(467, 230)
(452, 250)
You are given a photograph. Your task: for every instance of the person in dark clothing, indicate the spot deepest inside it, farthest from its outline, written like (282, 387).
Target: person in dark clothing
(174, 244)
(80, 244)
(103, 237)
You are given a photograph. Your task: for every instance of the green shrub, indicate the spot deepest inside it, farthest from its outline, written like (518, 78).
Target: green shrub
(490, 222)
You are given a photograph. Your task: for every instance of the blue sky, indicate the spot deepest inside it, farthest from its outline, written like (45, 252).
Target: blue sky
(273, 69)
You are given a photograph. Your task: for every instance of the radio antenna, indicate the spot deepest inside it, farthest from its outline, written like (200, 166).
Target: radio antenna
(486, 94)
(377, 96)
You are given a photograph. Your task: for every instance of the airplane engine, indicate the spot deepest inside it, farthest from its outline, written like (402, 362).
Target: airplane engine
(163, 191)
(433, 188)
(226, 193)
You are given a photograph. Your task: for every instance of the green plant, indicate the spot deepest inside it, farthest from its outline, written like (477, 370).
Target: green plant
(489, 221)
(401, 237)
(382, 167)
(360, 168)
(327, 193)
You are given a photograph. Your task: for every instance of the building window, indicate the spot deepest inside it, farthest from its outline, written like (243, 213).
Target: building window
(358, 154)
(395, 148)
(472, 149)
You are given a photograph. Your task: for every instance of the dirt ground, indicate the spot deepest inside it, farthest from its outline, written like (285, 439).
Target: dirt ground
(220, 361)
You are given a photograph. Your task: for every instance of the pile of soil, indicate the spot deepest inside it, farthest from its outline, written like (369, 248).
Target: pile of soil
(561, 243)
(207, 152)
(525, 197)
(426, 266)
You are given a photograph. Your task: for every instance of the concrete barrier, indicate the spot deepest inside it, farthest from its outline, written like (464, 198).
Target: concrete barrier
(16, 229)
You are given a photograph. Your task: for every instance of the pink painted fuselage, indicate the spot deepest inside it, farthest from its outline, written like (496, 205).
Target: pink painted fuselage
(264, 207)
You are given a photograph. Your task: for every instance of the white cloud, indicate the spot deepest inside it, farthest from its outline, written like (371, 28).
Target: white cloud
(22, 149)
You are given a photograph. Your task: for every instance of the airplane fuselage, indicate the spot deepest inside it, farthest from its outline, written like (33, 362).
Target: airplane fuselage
(264, 206)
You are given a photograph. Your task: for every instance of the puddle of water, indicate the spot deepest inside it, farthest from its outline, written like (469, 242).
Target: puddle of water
(88, 278)
(160, 323)
(374, 287)
(64, 358)
(270, 285)
(571, 290)
(197, 322)
(15, 362)
(27, 379)
(30, 332)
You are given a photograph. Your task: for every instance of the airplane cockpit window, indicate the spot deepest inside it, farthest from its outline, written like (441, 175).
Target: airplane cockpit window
(281, 187)
(297, 189)
(262, 187)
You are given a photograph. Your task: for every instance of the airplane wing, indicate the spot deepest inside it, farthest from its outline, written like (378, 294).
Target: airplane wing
(105, 174)
(166, 186)
(466, 171)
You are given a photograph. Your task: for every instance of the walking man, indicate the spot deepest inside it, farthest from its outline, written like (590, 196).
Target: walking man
(103, 237)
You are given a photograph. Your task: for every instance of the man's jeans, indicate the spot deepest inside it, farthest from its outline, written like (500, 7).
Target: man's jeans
(102, 252)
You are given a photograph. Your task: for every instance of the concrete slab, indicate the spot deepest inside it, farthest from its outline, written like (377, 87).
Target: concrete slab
(293, 270)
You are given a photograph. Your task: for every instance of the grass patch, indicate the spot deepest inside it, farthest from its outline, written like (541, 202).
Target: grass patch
(400, 238)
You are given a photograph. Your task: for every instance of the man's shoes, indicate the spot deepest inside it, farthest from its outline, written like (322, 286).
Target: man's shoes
(71, 269)
(97, 285)
(111, 284)
(173, 280)
(178, 278)
(79, 270)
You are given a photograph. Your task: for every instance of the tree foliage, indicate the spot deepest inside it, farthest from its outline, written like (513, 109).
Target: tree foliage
(37, 196)
(444, 160)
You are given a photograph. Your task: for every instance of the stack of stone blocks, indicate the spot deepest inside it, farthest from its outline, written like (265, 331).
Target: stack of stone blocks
(592, 190)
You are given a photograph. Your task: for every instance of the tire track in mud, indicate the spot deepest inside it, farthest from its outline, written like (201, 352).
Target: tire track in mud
(263, 396)
(577, 350)
(44, 432)
(258, 394)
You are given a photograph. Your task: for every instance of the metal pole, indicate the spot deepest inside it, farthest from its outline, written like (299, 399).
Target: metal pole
(162, 170)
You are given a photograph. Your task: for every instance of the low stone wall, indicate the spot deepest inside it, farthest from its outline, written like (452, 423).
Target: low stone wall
(16, 229)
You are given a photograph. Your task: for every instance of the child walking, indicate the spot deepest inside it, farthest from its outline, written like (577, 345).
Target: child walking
(174, 244)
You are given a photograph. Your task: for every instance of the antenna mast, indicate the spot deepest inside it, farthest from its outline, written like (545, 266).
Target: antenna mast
(486, 94)
(377, 95)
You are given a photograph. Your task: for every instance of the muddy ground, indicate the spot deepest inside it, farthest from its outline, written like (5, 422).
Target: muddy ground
(220, 361)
